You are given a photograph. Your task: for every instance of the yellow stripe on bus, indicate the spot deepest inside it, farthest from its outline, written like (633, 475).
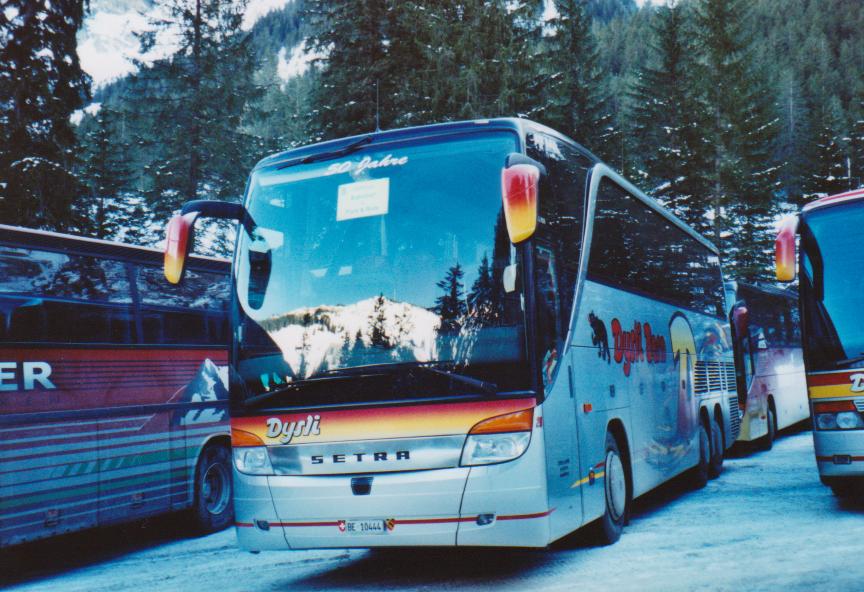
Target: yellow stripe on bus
(834, 390)
(585, 480)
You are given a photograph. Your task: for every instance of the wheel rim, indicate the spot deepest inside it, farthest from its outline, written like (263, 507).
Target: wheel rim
(616, 485)
(215, 489)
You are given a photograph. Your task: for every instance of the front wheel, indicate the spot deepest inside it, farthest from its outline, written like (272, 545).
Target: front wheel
(213, 508)
(616, 494)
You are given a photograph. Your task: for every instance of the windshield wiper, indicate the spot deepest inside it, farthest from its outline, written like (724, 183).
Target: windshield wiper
(347, 149)
(849, 361)
(377, 370)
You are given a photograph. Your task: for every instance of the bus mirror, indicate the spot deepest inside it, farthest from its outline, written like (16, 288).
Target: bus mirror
(784, 249)
(260, 265)
(741, 320)
(519, 185)
(179, 237)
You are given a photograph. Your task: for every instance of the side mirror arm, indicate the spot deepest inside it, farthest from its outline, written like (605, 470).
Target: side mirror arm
(220, 209)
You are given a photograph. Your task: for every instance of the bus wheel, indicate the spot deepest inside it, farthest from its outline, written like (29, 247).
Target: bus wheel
(213, 508)
(699, 473)
(715, 466)
(615, 494)
(767, 441)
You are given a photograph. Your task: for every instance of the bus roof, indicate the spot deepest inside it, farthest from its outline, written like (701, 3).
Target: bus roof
(514, 124)
(31, 237)
(835, 199)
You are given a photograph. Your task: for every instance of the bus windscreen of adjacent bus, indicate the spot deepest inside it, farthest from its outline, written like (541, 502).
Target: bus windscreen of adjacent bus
(832, 289)
(382, 274)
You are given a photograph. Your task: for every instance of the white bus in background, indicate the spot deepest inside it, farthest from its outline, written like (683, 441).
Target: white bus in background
(463, 334)
(772, 387)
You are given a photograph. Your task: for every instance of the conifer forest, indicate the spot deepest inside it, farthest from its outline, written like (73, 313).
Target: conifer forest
(730, 112)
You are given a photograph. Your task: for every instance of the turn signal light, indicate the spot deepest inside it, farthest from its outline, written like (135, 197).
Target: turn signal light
(244, 438)
(520, 421)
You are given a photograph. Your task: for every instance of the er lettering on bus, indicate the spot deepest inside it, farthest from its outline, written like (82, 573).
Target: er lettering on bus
(30, 373)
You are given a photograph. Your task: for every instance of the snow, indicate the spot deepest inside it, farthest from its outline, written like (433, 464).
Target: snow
(298, 63)
(107, 46)
(765, 524)
(259, 8)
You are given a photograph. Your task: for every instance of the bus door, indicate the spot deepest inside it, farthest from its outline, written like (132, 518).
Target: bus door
(745, 361)
(562, 445)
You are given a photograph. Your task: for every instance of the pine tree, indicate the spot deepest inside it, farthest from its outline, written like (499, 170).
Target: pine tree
(481, 297)
(451, 306)
(668, 121)
(197, 100)
(830, 172)
(41, 84)
(739, 131)
(570, 84)
(857, 148)
(378, 334)
(106, 174)
(353, 34)
(793, 146)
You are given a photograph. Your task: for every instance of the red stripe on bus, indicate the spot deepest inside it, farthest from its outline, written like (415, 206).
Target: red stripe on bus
(831, 458)
(399, 521)
(829, 379)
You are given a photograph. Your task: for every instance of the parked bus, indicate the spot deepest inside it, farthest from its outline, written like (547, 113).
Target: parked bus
(772, 388)
(831, 299)
(471, 333)
(113, 403)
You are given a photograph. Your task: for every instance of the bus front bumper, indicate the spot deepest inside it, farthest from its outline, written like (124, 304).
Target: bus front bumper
(479, 506)
(839, 453)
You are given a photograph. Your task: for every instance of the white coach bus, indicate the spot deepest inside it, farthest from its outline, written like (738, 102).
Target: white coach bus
(463, 334)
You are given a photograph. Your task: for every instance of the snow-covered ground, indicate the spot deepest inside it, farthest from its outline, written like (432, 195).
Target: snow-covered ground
(765, 524)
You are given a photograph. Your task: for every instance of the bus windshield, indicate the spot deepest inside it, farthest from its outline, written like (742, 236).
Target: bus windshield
(388, 265)
(832, 288)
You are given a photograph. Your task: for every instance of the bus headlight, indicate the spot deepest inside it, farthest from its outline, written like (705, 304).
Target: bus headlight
(849, 420)
(837, 415)
(485, 449)
(253, 460)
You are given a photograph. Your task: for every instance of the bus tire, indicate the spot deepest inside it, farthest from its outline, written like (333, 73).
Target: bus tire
(699, 473)
(842, 487)
(615, 494)
(715, 465)
(213, 506)
(767, 441)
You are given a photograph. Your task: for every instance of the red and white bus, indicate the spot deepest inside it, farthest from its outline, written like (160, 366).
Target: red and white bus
(112, 398)
(470, 334)
(772, 388)
(830, 257)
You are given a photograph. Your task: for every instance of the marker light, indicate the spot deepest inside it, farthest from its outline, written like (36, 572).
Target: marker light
(784, 249)
(178, 242)
(498, 439)
(519, 192)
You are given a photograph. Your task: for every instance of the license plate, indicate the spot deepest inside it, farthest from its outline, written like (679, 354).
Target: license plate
(364, 527)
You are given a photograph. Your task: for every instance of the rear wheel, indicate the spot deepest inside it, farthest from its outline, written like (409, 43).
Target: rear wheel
(699, 473)
(213, 508)
(715, 466)
(767, 441)
(616, 494)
